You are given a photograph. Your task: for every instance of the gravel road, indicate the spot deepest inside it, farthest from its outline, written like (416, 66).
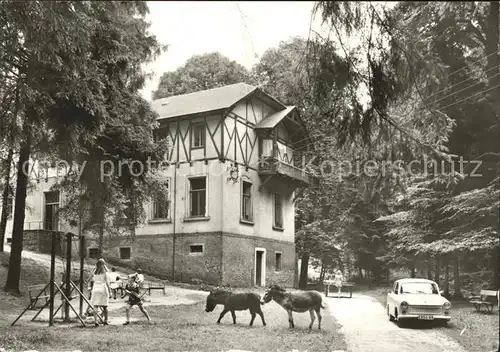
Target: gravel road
(367, 328)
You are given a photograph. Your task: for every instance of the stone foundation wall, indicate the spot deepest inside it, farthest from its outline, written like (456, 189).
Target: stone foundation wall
(227, 259)
(153, 254)
(239, 261)
(41, 241)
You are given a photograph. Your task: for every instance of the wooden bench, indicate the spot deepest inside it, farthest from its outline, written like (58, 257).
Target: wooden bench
(329, 283)
(42, 291)
(151, 285)
(485, 299)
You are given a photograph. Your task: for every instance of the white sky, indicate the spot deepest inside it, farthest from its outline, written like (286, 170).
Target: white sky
(239, 30)
(198, 27)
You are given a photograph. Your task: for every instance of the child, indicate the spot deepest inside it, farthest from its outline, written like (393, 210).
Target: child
(115, 282)
(338, 280)
(132, 290)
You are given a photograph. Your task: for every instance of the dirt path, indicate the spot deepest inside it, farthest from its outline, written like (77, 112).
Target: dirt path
(173, 295)
(367, 328)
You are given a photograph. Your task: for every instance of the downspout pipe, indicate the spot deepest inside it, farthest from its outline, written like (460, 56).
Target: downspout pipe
(174, 221)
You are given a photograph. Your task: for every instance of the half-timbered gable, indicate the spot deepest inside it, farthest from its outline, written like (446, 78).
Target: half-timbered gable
(234, 162)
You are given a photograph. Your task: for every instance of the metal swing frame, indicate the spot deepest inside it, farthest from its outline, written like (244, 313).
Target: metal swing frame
(67, 287)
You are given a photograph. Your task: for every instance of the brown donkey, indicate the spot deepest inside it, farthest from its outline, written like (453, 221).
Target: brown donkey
(233, 302)
(299, 302)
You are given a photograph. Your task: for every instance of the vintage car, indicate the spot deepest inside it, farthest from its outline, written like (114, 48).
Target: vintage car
(417, 299)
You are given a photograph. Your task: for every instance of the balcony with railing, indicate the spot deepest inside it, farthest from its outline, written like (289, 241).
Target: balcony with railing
(284, 164)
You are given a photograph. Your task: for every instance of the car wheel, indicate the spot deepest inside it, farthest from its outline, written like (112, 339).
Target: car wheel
(444, 323)
(391, 318)
(399, 322)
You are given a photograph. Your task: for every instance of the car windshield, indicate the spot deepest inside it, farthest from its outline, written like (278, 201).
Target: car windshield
(419, 287)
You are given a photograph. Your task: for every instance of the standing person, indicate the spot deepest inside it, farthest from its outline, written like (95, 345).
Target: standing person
(115, 282)
(132, 290)
(138, 277)
(337, 281)
(101, 290)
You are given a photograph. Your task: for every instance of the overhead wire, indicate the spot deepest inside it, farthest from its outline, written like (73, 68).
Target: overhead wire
(256, 56)
(448, 75)
(442, 108)
(471, 96)
(407, 55)
(242, 15)
(421, 96)
(468, 79)
(475, 62)
(463, 89)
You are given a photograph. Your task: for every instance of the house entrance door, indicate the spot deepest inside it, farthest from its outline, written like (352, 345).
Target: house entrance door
(260, 267)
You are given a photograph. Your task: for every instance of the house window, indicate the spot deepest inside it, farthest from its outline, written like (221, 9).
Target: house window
(197, 196)
(161, 208)
(278, 211)
(161, 205)
(196, 249)
(125, 253)
(278, 261)
(198, 136)
(161, 135)
(246, 201)
(93, 253)
(95, 210)
(51, 220)
(126, 216)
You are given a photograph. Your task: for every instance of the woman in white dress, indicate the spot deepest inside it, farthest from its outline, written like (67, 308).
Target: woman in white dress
(101, 290)
(337, 281)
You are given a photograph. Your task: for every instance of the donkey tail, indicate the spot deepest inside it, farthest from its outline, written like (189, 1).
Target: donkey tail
(321, 305)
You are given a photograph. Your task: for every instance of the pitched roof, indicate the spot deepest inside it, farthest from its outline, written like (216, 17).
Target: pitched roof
(272, 120)
(202, 101)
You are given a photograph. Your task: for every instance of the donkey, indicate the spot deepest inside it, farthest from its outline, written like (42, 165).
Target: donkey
(235, 301)
(296, 302)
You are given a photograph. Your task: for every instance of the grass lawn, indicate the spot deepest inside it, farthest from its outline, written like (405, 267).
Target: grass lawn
(481, 330)
(175, 328)
(31, 274)
(182, 328)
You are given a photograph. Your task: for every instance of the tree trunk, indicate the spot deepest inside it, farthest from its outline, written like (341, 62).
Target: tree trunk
(457, 293)
(429, 271)
(12, 284)
(360, 273)
(413, 272)
(5, 199)
(348, 264)
(296, 272)
(446, 278)
(322, 272)
(101, 239)
(492, 40)
(437, 273)
(304, 265)
(101, 221)
(495, 280)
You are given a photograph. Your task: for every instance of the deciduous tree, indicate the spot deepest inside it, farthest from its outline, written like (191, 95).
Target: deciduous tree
(201, 72)
(78, 67)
